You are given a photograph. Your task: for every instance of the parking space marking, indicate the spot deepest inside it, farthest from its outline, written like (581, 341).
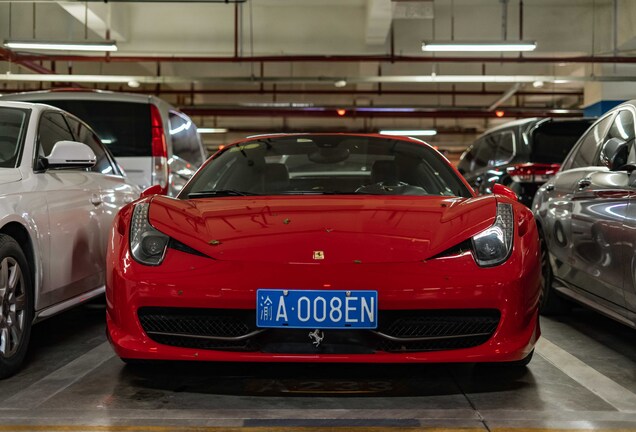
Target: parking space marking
(114, 428)
(603, 387)
(60, 379)
(141, 428)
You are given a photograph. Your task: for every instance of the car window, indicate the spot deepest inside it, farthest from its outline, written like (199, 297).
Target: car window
(88, 137)
(13, 126)
(584, 153)
(486, 151)
(52, 128)
(505, 148)
(465, 162)
(185, 139)
(553, 140)
(124, 127)
(622, 126)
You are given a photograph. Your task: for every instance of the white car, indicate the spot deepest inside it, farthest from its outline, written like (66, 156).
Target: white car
(59, 192)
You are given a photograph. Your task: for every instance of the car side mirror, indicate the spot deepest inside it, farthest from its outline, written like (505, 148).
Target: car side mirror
(70, 154)
(152, 190)
(499, 189)
(614, 154)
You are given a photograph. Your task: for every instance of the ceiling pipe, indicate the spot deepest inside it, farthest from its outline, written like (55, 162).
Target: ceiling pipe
(315, 80)
(261, 130)
(504, 97)
(351, 113)
(12, 57)
(191, 92)
(317, 58)
(272, 91)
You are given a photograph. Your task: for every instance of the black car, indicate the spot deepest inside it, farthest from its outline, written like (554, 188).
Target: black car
(521, 154)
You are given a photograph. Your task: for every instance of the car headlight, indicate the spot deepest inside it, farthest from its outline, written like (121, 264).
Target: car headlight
(492, 246)
(148, 245)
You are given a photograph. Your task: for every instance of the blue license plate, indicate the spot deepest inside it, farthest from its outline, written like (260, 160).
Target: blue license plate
(320, 309)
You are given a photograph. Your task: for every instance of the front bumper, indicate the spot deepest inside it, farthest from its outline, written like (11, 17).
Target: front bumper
(188, 281)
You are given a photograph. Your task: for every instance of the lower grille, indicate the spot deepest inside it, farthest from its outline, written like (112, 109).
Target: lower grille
(437, 330)
(193, 328)
(398, 331)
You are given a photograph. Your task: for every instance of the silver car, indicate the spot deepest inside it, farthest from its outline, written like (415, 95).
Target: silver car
(59, 192)
(587, 219)
(151, 139)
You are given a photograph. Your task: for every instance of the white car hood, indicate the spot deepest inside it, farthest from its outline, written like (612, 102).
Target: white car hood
(9, 175)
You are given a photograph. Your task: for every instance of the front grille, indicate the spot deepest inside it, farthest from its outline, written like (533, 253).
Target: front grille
(398, 331)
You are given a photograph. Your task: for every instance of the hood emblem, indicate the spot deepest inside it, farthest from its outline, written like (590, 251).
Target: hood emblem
(319, 255)
(316, 336)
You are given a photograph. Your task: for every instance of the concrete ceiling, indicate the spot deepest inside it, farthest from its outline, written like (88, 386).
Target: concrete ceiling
(286, 49)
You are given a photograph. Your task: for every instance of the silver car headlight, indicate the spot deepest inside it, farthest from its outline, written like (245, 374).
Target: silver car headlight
(493, 246)
(148, 245)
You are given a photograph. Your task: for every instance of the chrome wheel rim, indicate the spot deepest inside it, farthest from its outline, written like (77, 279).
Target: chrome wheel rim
(12, 307)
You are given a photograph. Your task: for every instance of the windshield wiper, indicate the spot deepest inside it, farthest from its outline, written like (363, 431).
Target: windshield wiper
(219, 193)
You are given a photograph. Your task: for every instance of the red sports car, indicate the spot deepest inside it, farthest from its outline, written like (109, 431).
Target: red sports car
(325, 248)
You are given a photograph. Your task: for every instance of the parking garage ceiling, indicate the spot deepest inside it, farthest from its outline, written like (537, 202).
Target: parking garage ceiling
(357, 65)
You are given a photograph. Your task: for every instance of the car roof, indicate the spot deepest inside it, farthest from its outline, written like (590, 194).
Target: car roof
(28, 105)
(530, 122)
(631, 103)
(82, 94)
(350, 134)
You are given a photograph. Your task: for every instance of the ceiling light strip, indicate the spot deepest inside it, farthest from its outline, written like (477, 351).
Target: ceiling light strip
(495, 46)
(62, 46)
(412, 132)
(203, 130)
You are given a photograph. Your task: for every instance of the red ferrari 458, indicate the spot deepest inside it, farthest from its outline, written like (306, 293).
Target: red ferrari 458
(325, 248)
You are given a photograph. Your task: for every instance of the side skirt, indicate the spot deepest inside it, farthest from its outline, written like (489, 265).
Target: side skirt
(67, 304)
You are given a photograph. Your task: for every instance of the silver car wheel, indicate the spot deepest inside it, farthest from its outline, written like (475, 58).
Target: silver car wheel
(12, 306)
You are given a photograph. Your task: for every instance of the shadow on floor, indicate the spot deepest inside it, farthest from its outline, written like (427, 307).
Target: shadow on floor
(333, 380)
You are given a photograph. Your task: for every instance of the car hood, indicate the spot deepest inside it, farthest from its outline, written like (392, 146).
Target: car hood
(322, 229)
(9, 175)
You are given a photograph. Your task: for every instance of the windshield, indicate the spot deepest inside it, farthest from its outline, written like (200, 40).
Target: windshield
(13, 124)
(326, 164)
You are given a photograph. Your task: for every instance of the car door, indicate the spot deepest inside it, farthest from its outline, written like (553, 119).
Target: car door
(557, 207)
(72, 196)
(600, 201)
(114, 190)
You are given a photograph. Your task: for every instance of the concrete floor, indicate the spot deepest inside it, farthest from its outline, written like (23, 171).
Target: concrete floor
(583, 377)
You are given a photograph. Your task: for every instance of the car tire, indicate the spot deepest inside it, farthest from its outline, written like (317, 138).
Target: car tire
(16, 306)
(550, 302)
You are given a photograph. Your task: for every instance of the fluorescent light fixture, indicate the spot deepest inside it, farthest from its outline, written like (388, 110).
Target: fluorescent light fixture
(413, 132)
(499, 46)
(62, 46)
(211, 130)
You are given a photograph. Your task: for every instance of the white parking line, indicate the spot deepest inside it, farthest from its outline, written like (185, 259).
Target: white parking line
(59, 380)
(605, 388)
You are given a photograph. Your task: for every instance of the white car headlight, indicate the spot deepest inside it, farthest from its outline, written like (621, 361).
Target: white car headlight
(148, 246)
(493, 246)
